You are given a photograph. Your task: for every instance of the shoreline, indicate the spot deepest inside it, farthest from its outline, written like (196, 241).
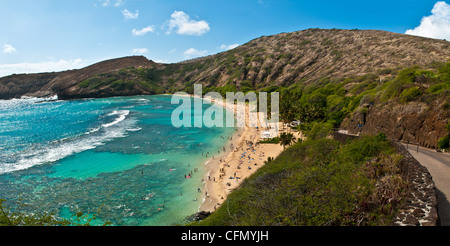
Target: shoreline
(242, 157)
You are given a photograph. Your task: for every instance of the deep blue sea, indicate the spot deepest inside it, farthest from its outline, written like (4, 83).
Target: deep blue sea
(118, 158)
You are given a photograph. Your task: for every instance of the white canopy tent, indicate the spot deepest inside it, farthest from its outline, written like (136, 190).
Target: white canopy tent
(268, 134)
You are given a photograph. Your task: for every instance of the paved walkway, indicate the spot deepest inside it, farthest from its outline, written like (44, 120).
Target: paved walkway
(438, 164)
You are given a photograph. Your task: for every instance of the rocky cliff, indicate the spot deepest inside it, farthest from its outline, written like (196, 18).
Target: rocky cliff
(414, 122)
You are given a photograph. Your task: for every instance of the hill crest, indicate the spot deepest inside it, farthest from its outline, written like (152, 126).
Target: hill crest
(278, 60)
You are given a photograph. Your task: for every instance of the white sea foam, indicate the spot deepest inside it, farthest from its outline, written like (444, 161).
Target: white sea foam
(144, 100)
(93, 130)
(39, 99)
(122, 116)
(134, 129)
(24, 100)
(62, 148)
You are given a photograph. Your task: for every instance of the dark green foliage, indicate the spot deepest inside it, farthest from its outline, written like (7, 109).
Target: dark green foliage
(127, 79)
(275, 140)
(92, 83)
(444, 142)
(287, 139)
(319, 130)
(10, 217)
(438, 88)
(444, 72)
(404, 78)
(246, 86)
(227, 88)
(410, 94)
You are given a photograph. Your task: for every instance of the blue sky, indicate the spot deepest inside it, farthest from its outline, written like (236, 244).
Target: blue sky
(55, 35)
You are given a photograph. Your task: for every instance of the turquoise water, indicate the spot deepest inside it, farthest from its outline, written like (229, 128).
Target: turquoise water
(118, 158)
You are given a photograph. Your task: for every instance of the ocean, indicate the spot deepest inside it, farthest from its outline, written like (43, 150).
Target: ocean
(119, 158)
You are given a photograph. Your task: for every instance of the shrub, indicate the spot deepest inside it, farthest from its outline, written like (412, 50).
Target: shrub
(274, 140)
(368, 98)
(410, 94)
(91, 83)
(319, 130)
(443, 143)
(438, 88)
(445, 73)
(395, 87)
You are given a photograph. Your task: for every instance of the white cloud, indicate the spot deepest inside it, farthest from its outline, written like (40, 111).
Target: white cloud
(184, 25)
(40, 67)
(161, 61)
(140, 51)
(118, 3)
(143, 31)
(194, 53)
(436, 25)
(9, 49)
(130, 15)
(228, 47)
(115, 3)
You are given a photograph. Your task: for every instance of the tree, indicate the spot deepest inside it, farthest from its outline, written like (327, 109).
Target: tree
(286, 139)
(289, 105)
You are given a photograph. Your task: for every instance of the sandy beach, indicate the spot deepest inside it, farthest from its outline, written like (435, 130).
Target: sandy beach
(242, 157)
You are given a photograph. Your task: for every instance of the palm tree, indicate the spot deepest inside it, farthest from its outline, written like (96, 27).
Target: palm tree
(286, 139)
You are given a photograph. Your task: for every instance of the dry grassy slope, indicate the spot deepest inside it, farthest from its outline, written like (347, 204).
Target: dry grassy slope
(283, 59)
(312, 54)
